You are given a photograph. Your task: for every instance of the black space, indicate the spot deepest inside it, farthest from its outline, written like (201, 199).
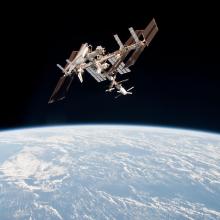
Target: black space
(176, 79)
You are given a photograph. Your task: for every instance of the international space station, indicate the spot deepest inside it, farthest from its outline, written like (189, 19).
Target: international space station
(104, 66)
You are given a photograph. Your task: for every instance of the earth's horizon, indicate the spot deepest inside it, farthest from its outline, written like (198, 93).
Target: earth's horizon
(133, 125)
(109, 171)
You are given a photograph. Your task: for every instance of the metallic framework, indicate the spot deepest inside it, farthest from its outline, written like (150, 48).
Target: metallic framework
(105, 66)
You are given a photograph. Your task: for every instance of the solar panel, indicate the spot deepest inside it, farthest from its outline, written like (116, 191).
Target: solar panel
(92, 74)
(73, 55)
(150, 31)
(62, 88)
(134, 35)
(120, 71)
(124, 71)
(71, 58)
(127, 70)
(102, 76)
(118, 41)
(98, 77)
(111, 61)
(150, 37)
(131, 61)
(120, 66)
(131, 39)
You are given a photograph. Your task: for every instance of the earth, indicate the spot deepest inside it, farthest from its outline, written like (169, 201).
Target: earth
(109, 172)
